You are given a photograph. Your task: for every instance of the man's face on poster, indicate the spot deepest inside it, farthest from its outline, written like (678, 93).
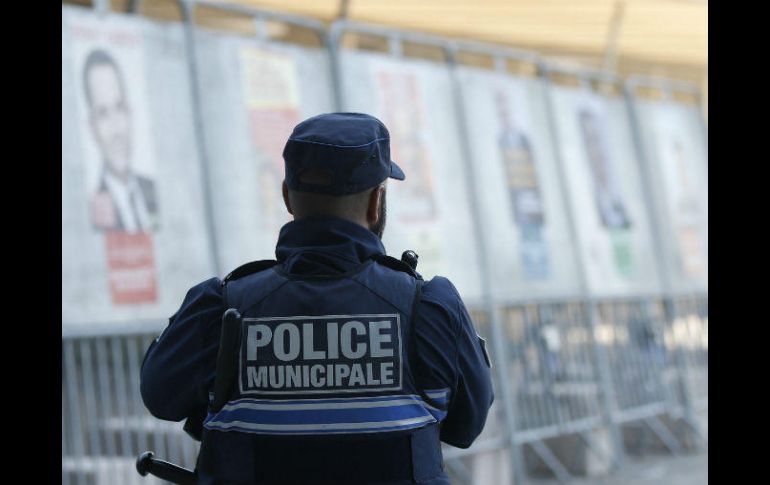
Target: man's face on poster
(110, 118)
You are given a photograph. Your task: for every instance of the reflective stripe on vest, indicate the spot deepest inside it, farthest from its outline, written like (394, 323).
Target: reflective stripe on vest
(328, 416)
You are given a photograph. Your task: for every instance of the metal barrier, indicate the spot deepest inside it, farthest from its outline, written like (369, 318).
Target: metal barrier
(104, 422)
(688, 333)
(551, 365)
(640, 364)
(562, 367)
(557, 388)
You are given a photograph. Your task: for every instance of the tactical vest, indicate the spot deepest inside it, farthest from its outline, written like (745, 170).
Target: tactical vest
(317, 382)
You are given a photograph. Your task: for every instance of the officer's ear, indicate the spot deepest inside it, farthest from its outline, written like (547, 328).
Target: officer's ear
(375, 200)
(285, 190)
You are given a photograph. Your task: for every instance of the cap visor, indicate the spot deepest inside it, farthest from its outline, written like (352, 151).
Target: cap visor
(396, 172)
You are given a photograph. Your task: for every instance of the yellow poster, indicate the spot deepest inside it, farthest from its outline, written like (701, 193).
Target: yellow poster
(271, 97)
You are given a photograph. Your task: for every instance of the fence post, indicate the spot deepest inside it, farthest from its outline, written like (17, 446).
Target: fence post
(333, 38)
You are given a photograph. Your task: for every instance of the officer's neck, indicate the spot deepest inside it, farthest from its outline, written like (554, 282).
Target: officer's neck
(321, 217)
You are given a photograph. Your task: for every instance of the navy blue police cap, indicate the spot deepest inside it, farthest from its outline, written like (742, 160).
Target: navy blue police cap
(353, 149)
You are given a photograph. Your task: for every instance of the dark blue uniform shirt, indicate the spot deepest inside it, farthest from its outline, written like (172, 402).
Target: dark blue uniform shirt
(179, 368)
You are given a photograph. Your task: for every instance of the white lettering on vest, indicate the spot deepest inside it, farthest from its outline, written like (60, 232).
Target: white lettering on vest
(278, 342)
(346, 340)
(386, 372)
(307, 344)
(257, 336)
(315, 381)
(376, 338)
(257, 377)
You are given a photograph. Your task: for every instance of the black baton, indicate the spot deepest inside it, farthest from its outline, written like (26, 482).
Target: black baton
(164, 470)
(227, 366)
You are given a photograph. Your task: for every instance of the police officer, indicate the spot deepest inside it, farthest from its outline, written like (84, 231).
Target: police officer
(344, 366)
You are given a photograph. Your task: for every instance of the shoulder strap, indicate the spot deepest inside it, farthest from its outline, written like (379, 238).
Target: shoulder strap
(249, 268)
(245, 270)
(396, 264)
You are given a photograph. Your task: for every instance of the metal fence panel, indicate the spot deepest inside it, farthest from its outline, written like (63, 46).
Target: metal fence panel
(552, 369)
(632, 330)
(689, 331)
(105, 424)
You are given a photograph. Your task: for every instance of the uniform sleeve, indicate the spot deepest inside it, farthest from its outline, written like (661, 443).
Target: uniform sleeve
(179, 366)
(472, 396)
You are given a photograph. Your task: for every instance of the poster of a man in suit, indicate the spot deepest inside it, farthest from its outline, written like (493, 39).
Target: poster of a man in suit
(117, 153)
(124, 200)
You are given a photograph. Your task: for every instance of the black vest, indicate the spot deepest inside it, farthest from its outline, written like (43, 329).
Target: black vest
(322, 388)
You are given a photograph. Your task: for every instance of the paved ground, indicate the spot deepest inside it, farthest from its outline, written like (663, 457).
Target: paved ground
(690, 469)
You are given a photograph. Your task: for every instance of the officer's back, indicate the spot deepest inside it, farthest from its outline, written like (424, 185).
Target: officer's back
(346, 367)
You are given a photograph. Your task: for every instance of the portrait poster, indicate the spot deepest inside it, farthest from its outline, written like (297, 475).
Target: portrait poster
(133, 227)
(518, 187)
(678, 154)
(428, 212)
(606, 196)
(118, 156)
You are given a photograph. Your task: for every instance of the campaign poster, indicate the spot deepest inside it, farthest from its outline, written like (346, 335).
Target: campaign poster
(134, 233)
(428, 212)
(605, 194)
(686, 207)
(608, 199)
(678, 153)
(117, 153)
(271, 96)
(517, 183)
(524, 190)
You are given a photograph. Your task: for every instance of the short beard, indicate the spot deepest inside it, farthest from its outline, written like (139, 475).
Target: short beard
(379, 227)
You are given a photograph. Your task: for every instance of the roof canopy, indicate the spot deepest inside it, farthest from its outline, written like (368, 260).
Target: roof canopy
(658, 37)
